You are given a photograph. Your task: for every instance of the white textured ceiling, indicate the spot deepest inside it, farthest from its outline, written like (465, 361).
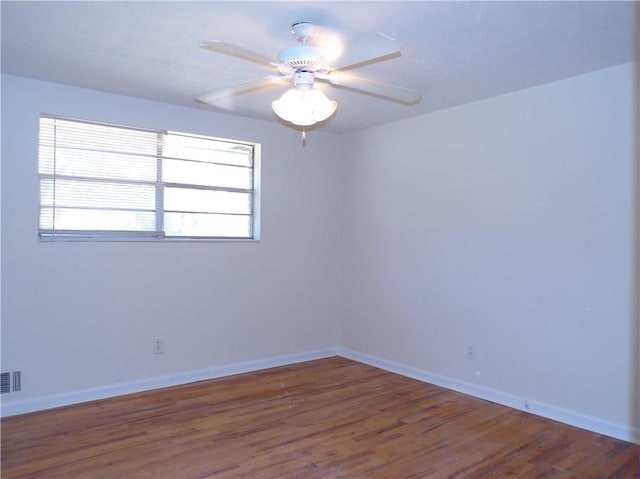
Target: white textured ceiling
(454, 52)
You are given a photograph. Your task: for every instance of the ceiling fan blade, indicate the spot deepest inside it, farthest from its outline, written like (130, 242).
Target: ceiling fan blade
(213, 97)
(375, 88)
(366, 50)
(239, 52)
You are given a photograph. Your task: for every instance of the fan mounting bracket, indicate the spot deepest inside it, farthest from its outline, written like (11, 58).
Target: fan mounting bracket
(302, 31)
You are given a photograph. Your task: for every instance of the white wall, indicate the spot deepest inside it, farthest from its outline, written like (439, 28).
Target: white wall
(83, 315)
(506, 223)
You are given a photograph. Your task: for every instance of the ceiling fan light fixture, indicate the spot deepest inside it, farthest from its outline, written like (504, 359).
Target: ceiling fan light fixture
(313, 59)
(304, 106)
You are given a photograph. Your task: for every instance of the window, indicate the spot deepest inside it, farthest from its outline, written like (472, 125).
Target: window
(112, 182)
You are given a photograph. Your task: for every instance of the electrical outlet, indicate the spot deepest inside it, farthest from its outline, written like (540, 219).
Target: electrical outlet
(470, 351)
(158, 346)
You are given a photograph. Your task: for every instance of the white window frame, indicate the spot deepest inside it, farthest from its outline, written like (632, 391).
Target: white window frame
(158, 235)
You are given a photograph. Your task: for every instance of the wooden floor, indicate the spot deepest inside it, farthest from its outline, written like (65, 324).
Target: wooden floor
(332, 418)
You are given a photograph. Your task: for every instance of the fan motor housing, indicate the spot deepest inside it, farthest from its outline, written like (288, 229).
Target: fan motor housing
(303, 57)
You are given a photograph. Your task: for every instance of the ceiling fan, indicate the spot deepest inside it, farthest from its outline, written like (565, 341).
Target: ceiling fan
(320, 56)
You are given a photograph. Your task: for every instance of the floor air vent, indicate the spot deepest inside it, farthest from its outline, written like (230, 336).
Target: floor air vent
(10, 382)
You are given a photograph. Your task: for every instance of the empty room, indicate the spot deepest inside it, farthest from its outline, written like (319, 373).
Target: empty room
(320, 240)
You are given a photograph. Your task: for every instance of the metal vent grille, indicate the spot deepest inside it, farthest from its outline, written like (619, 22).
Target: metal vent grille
(10, 382)
(5, 383)
(16, 381)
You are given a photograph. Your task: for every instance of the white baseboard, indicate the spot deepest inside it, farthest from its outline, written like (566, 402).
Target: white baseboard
(65, 399)
(549, 411)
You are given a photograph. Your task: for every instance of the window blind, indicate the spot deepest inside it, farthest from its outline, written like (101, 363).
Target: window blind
(99, 181)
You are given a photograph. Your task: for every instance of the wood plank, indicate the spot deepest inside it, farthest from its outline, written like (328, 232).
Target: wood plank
(331, 418)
